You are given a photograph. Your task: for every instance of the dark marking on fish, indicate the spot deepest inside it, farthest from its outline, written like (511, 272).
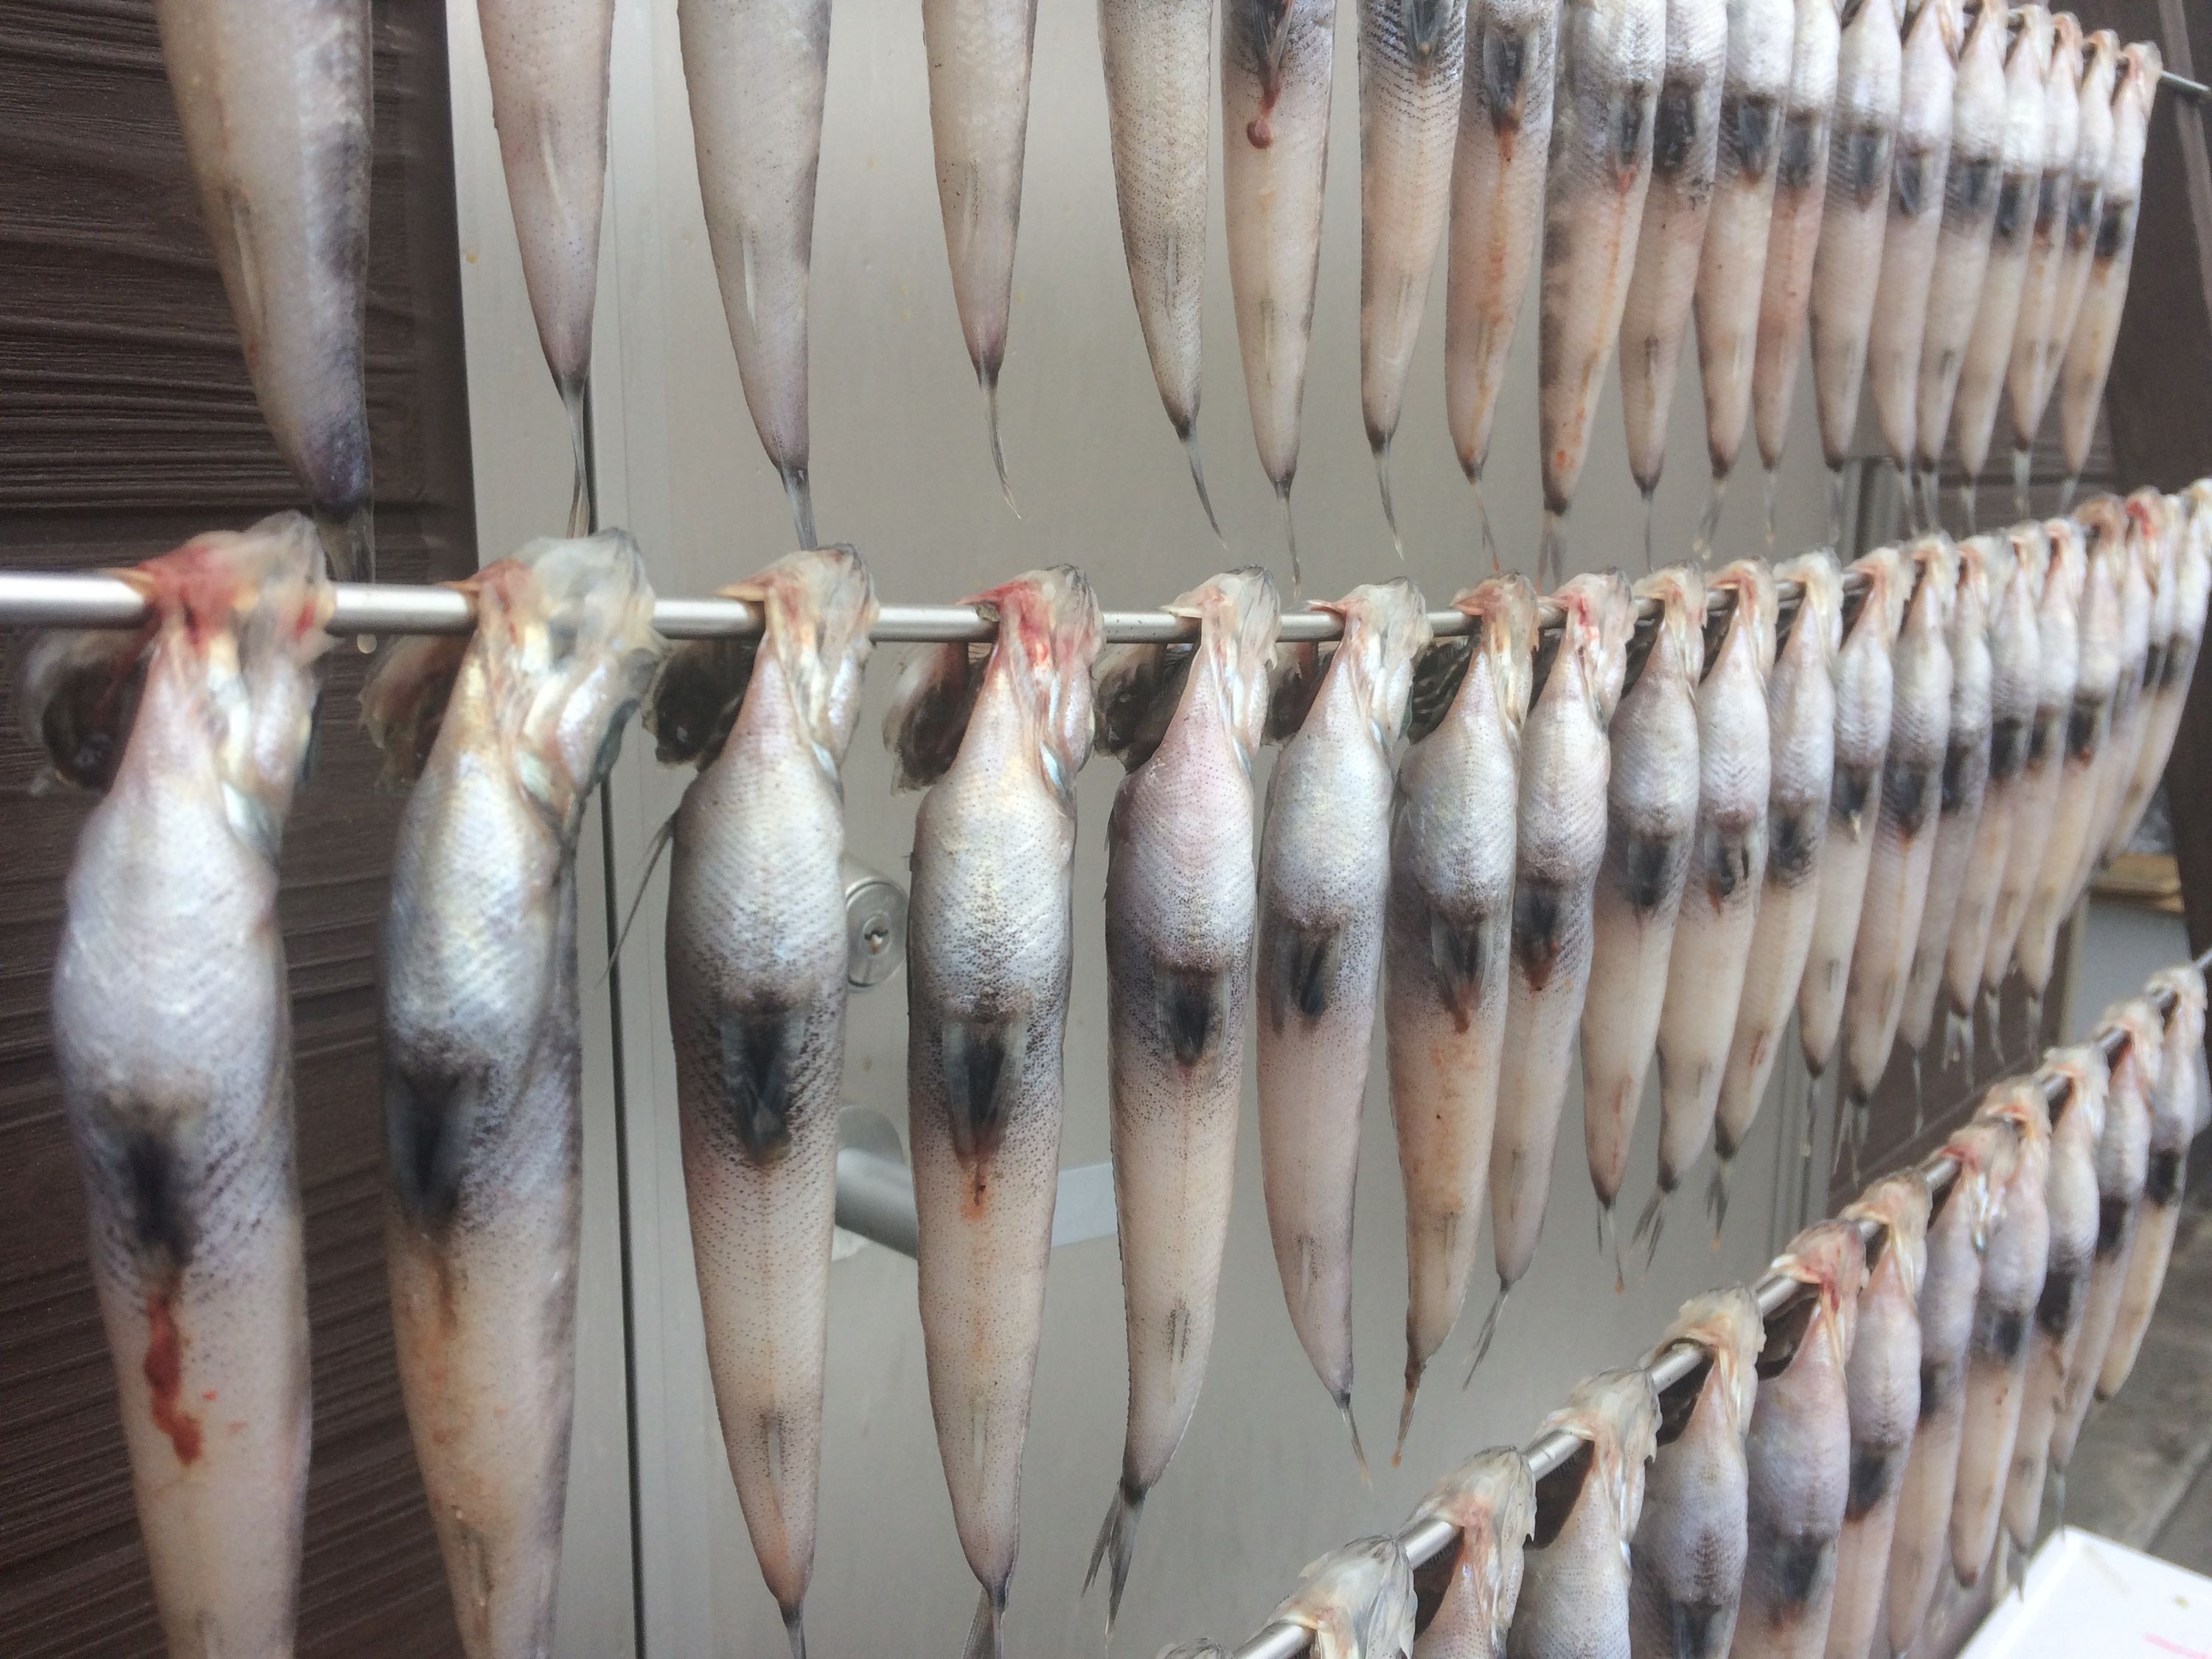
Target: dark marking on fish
(2178, 663)
(1872, 1469)
(1558, 1494)
(2060, 1305)
(2112, 1217)
(2046, 204)
(1648, 866)
(1425, 28)
(1674, 128)
(163, 1369)
(1303, 970)
(2154, 666)
(1694, 1626)
(1905, 794)
(1849, 791)
(1459, 958)
(2162, 1186)
(1865, 163)
(1801, 148)
(1800, 1562)
(158, 1214)
(1908, 183)
(2082, 215)
(1792, 850)
(981, 1060)
(1629, 147)
(2012, 199)
(1538, 915)
(2115, 230)
(429, 1110)
(2043, 742)
(757, 1053)
(1970, 189)
(1747, 128)
(1505, 68)
(2000, 1332)
(2083, 722)
(1958, 761)
(1194, 1012)
(1932, 1380)
(2009, 738)
(1727, 864)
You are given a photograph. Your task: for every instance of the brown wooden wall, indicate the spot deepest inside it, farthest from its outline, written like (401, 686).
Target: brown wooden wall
(126, 424)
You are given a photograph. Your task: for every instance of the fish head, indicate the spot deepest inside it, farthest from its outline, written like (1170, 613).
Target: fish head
(1899, 1204)
(1491, 1499)
(1982, 47)
(1356, 1601)
(1239, 614)
(1933, 26)
(1933, 564)
(2101, 617)
(2093, 139)
(1985, 1152)
(1385, 628)
(1050, 629)
(1831, 1258)
(2027, 78)
(2083, 1077)
(1747, 628)
(1504, 609)
(1616, 1413)
(2135, 85)
(1976, 583)
(2140, 1026)
(1597, 618)
(1820, 599)
(2021, 1106)
(1727, 1325)
(1887, 585)
(818, 609)
(2061, 91)
(2152, 541)
(1674, 638)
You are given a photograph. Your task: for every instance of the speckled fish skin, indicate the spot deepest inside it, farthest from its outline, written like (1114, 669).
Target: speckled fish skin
(1491, 1499)
(2190, 584)
(483, 1053)
(1357, 1602)
(2173, 1106)
(1882, 1388)
(1904, 835)
(2085, 208)
(2071, 1203)
(274, 99)
(2088, 355)
(1793, 237)
(1181, 915)
(1576, 1577)
(2015, 1263)
(1968, 747)
(1685, 150)
(989, 959)
(1611, 55)
(1565, 765)
(2162, 523)
(1651, 826)
(1732, 263)
(1497, 207)
(1865, 682)
(1919, 1550)
(2146, 630)
(171, 1033)
(1801, 715)
(1446, 951)
(756, 1007)
(1324, 889)
(1917, 182)
(1728, 867)
(1412, 55)
(1799, 1453)
(2026, 380)
(758, 71)
(1688, 1552)
(2021, 170)
(1277, 57)
(1848, 265)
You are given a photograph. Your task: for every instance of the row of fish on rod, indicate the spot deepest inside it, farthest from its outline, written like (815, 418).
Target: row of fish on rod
(1853, 1446)
(1662, 838)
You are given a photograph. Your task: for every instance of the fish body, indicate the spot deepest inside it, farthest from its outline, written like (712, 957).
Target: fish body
(1324, 889)
(756, 1007)
(1793, 238)
(2088, 355)
(2165, 526)
(1688, 1552)
(1491, 1500)
(1919, 170)
(1446, 953)
(1882, 1387)
(1180, 919)
(1702, 43)
(1651, 828)
(483, 1053)
(1497, 207)
(1357, 1602)
(1575, 1578)
(1847, 267)
(758, 71)
(2146, 549)
(2190, 584)
(274, 99)
(172, 1033)
(2094, 129)
(988, 965)
(2034, 331)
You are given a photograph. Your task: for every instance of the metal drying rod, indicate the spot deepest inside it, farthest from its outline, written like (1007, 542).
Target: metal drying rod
(1424, 1540)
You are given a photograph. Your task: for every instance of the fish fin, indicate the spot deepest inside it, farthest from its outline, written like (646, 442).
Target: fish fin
(403, 703)
(794, 1626)
(1489, 1331)
(1835, 506)
(988, 379)
(77, 696)
(576, 401)
(1649, 561)
(1382, 447)
(1290, 539)
(1117, 1546)
(1482, 520)
(2023, 461)
(696, 698)
(983, 1632)
(1966, 499)
(348, 538)
(1717, 1196)
(1773, 492)
(1650, 1225)
(654, 848)
(1552, 556)
(930, 705)
(800, 493)
(1189, 434)
(1608, 1244)
(1414, 1369)
(1359, 1451)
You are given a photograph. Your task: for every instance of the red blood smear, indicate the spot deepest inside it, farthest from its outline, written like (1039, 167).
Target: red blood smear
(164, 1367)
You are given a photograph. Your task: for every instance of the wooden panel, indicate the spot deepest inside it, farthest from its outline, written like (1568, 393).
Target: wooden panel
(126, 423)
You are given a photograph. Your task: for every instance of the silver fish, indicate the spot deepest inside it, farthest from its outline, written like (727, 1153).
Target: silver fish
(2164, 524)
(172, 1033)
(1357, 1602)
(1701, 38)
(2190, 584)
(2023, 166)
(2147, 545)
(1848, 266)
(988, 963)
(2071, 1203)
(1688, 1552)
(757, 1009)
(758, 71)
(274, 101)
(1159, 91)
(1180, 918)
(1719, 907)
(1575, 1588)
(1651, 826)
(2094, 129)
(1412, 55)
(1801, 714)
(2035, 338)
(1611, 56)
(2088, 355)
(1449, 929)
(1917, 180)
(1491, 1500)
(1882, 1386)
(1559, 846)
(1277, 57)
(1324, 888)
(1800, 1451)
(483, 1052)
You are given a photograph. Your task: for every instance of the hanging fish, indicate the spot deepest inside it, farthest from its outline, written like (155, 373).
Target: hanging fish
(2140, 652)
(1491, 1500)
(506, 735)
(275, 104)
(2027, 382)
(758, 71)
(1180, 917)
(988, 961)
(1324, 887)
(2190, 586)
(1687, 1556)
(1357, 1602)
(2163, 526)
(1651, 827)
(173, 1047)
(2095, 131)
(1449, 925)
(1559, 847)
(1574, 1587)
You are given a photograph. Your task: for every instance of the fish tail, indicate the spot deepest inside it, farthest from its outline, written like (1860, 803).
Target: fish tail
(1414, 1366)
(1717, 1197)
(2067, 486)
(1551, 558)
(2057, 1484)
(1381, 449)
(1489, 1330)
(1116, 1548)
(1290, 539)
(1482, 520)
(794, 1626)
(576, 399)
(1836, 506)
(1968, 490)
(1931, 500)
(1608, 1244)
(2035, 1000)
(1708, 526)
(800, 493)
(1959, 1038)
(1189, 434)
(1650, 1225)
(983, 1630)
(1649, 490)
(1773, 492)
(1919, 1095)
(987, 378)
(2022, 459)
(348, 538)
(1358, 1452)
